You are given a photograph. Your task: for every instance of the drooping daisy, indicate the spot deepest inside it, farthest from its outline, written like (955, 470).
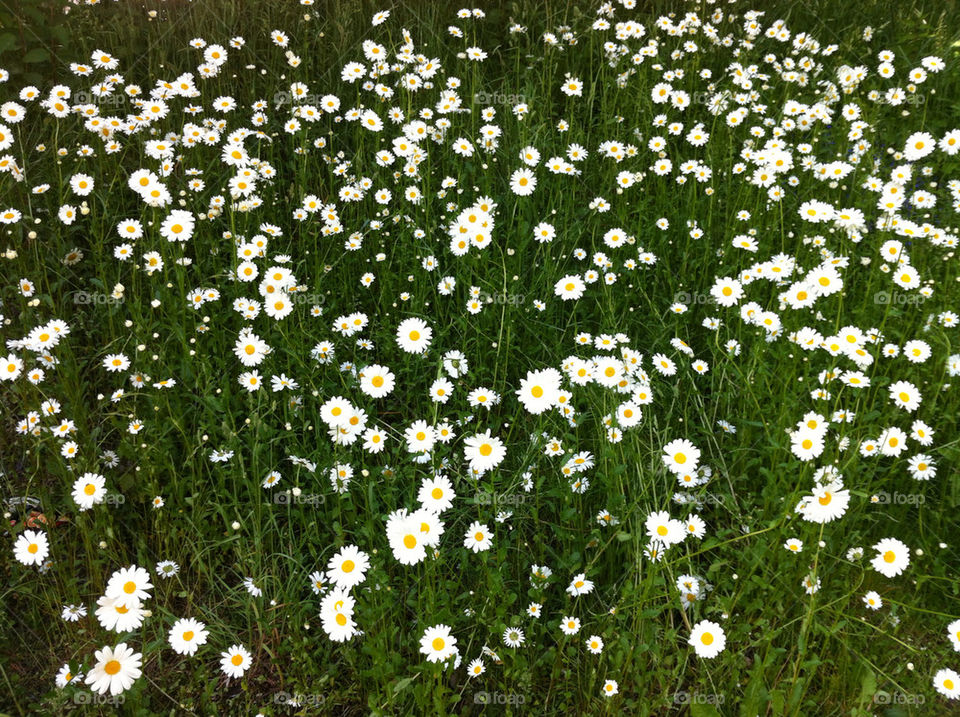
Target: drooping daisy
(580, 585)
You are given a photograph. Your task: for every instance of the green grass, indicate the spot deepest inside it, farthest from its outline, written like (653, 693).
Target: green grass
(787, 653)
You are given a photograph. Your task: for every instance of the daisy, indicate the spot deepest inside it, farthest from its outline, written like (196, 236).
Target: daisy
(680, 456)
(376, 381)
(483, 451)
(348, 567)
(65, 676)
(539, 390)
(89, 490)
(664, 529)
(580, 586)
(336, 614)
(905, 395)
(121, 614)
(513, 637)
(116, 669)
(187, 635)
(707, 639)
(235, 661)
(953, 632)
(610, 688)
(31, 547)
(947, 683)
(523, 182)
(570, 287)
(72, 613)
(476, 668)
(570, 625)
(595, 644)
(413, 335)
(827, 503)
(873, 600)
(892, 557)
(129, 584)
(167, 568)
(420, 437)
(436, 494)
(478, 537)
(437, 643)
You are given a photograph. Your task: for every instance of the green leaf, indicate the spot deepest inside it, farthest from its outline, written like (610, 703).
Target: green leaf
(404, 683)
(37, 54)
(868, 686)
(7, 40)
(701, 710)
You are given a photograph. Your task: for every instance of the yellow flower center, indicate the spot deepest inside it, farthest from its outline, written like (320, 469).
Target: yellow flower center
(112, 667)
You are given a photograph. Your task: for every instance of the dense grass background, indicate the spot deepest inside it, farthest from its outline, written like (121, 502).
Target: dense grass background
(786, 653)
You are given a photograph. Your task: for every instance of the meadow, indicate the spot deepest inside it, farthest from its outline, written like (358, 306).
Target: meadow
(529, 357)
